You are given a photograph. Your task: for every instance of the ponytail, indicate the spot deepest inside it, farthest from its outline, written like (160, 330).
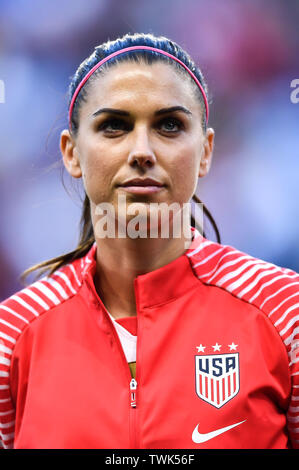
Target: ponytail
(85, 243)
(207, 213)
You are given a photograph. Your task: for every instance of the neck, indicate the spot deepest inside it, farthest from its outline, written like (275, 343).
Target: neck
(121, 260)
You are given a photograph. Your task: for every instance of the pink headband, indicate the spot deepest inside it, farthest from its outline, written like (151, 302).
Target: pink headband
(128, 49)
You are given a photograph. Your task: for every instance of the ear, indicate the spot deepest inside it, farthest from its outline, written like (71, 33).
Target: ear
(206, 158)
(70, 154)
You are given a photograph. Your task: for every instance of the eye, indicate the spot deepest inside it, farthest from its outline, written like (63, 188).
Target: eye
(170, 125)
(114, 126)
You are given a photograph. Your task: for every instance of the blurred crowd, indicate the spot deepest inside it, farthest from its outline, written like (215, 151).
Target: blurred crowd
(248, 52)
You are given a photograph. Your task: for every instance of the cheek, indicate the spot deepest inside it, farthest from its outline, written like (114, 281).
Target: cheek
(97, 172)
(185, 174)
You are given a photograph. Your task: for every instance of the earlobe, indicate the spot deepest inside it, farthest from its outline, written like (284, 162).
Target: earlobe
(204, 168)
(69, 153)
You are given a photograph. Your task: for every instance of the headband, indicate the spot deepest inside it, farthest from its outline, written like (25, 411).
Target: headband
(129, 49)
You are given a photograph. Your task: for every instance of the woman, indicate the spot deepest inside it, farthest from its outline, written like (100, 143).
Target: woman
(216, 329)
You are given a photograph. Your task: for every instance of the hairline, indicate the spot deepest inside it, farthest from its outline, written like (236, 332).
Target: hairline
(104, 69)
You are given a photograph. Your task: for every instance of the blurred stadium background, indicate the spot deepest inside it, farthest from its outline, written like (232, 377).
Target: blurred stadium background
(248, 52)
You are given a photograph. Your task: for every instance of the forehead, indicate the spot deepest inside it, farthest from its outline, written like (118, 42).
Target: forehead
(139, 84)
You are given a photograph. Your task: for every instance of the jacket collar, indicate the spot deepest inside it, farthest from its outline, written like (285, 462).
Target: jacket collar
(156, 287)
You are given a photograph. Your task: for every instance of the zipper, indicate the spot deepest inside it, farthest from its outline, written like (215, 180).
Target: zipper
(133, 390)
(135, 440)
(133, 411)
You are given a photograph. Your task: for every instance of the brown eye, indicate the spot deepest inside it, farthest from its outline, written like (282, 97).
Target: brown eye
(170, 125)
(114, 126)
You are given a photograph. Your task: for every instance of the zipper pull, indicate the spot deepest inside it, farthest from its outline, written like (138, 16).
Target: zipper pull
(133, 387)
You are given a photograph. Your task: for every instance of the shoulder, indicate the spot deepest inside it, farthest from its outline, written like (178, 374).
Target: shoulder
(44, 295)
(274, 290)
(32, 302)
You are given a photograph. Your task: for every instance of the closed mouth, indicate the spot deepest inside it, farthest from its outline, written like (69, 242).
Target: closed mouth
(142, 182)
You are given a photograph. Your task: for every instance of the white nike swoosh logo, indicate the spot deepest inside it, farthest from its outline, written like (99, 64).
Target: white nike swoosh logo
(198, 438)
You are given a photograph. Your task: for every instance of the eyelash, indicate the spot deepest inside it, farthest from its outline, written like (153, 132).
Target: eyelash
(126, 126)
(176, 122)
(103, 126)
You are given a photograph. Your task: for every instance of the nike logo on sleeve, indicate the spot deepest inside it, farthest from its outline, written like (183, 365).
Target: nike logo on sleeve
(199, 438)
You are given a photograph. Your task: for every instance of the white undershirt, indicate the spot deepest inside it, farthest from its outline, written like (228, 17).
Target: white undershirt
(127, 340)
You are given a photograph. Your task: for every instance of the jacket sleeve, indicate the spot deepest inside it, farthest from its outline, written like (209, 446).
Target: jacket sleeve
(8, 334)
(280, 302)
(293, 410)
(285, 317)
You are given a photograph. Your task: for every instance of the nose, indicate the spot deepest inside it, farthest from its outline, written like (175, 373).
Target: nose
(141, 153)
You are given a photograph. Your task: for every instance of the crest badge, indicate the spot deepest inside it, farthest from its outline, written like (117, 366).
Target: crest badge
(217, 377)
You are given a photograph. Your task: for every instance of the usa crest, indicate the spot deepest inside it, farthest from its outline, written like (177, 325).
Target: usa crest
(217, 377)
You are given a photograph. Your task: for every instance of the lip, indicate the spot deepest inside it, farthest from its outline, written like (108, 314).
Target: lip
(141, 182)
(142, 185)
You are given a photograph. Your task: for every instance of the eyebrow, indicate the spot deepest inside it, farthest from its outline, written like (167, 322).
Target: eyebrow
(121, 112)
(118, 112)
(172, 110)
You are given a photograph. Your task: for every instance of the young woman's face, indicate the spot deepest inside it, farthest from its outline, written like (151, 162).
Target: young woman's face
(139, 121)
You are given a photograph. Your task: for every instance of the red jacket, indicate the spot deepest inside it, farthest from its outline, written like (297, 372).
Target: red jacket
(217, 358)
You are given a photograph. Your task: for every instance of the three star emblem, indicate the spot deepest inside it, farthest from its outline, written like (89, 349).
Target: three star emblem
(217, 347)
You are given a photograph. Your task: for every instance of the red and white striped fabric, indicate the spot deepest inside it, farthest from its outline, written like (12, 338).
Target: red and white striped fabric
(234, 279)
